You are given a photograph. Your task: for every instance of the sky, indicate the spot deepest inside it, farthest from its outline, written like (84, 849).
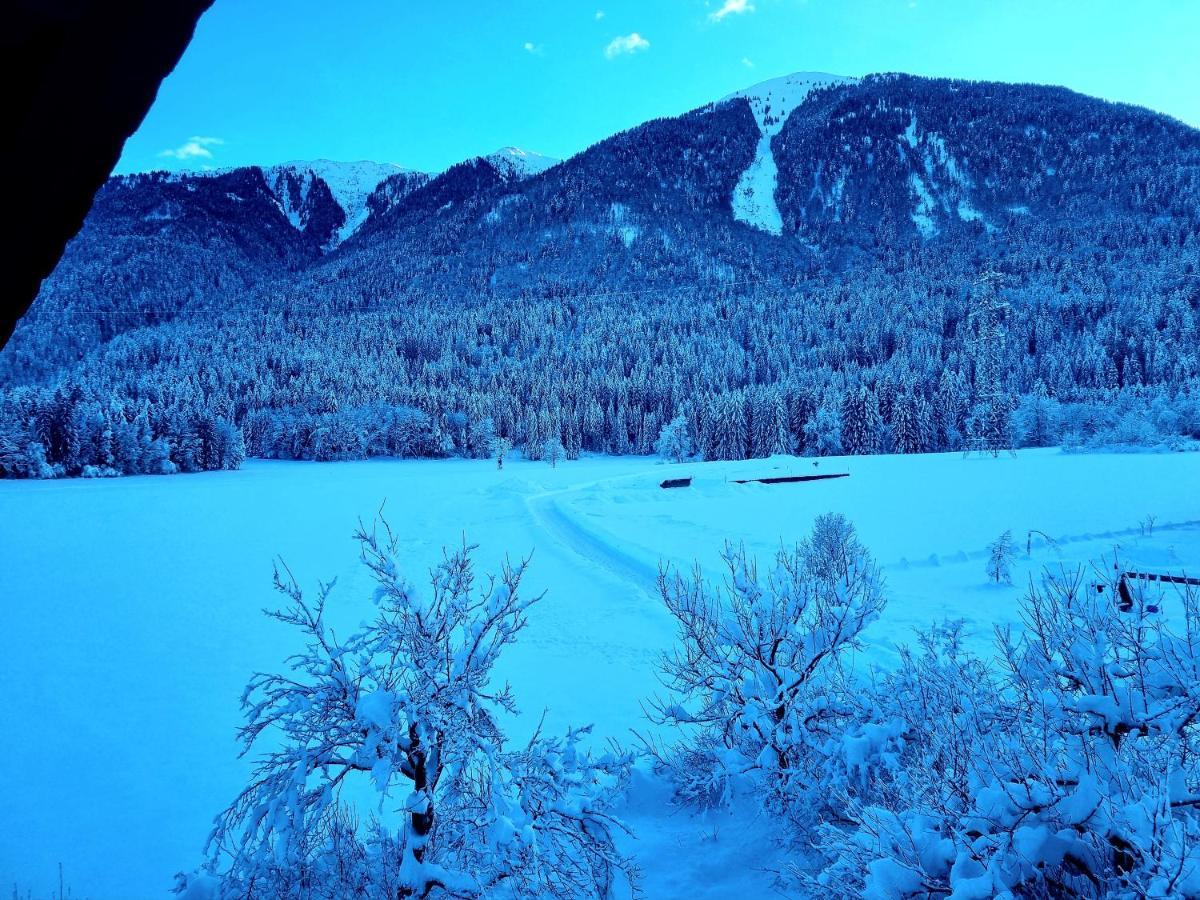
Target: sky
(427, 84)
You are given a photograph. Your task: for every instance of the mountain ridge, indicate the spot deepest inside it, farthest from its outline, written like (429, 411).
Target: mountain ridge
(937, 193)
(639, 280)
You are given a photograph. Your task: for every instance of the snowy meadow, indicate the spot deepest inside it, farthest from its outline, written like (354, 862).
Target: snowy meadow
(133, 619)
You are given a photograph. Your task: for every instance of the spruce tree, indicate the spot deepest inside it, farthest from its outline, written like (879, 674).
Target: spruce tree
(861, 423)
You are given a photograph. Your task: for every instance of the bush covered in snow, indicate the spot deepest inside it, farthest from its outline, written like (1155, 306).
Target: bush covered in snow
(1067, 766)
(1068, 769)
(405, 707)
(756, 682)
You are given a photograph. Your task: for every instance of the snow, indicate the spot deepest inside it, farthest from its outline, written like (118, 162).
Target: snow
(132, 616)
(771, 102)
(967, 212)
(350, 183)
(754, 195)
(959, 183)
(622, 227)
(513, 163)
(376, 708)
(922, 216)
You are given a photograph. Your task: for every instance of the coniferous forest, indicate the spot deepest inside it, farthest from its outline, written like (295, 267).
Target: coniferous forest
(961, 265)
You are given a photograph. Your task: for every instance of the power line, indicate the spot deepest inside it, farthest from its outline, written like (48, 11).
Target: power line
(312, 306)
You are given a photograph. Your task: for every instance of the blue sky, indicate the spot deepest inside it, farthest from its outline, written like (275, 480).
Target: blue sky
(426, 84)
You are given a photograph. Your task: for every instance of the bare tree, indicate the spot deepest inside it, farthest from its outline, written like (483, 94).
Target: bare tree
(754, 682)
(1001, 554)
(406, 706)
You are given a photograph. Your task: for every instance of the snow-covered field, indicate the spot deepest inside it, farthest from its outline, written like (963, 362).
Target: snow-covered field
(130, 611)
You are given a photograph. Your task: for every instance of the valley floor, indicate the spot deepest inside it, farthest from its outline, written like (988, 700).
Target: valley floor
(130, 611)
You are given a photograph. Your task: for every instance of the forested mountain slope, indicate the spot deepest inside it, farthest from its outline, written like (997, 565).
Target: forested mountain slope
(795, 267)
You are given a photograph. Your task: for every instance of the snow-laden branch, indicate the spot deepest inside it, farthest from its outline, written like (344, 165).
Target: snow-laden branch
(405, 707)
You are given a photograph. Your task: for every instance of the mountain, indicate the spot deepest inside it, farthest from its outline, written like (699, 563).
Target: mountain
(325, 200)
(329, 201)
(808, 236)
(772, 103)
(331, 198)
(515, 163)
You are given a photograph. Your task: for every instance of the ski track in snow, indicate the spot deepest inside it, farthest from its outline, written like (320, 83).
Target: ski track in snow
(589, 544)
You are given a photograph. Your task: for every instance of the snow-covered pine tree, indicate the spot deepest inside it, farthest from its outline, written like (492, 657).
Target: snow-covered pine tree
(861, 422)
(886, 393)
(823, 432)
(778, 431)
(949, 410)
(906, 426)
(758, 431)
(573, 441)
(925, 425)
(728, 426)
(534, 437)
(802, 406)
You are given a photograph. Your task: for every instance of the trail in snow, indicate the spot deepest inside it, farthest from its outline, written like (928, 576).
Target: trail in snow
(682, 852)
(589, 544)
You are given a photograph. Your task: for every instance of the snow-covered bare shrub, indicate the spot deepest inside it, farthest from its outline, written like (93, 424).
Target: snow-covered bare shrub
(405, 709)
(887, 830)
(1068, 770)
(755, 683)
(1001, 554)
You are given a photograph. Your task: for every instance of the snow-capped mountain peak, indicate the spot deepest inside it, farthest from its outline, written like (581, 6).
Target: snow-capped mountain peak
(514, 162)
(350, 184)
(771, 102)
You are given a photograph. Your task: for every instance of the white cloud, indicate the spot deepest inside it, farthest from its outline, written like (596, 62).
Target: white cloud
(599, 14)
(194, 148)
(531, 47)
(731, 8)
(747, 62)
(628, 43)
